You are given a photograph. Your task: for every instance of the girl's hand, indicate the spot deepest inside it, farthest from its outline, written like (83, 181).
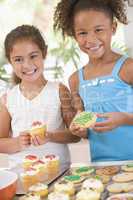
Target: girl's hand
(24, 140)
(112, 120)
(36, 140)
(76, 130)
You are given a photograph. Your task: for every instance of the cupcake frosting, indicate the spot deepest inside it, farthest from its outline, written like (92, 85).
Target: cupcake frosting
(38, 187)
(31, 158)
(50, 157)
(58, 196)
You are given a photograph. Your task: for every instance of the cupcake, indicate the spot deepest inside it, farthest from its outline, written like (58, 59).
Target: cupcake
(41, 166)
(28, 161)
(29, 178)
(53, 163)
(93, 184)
(88, 195)
(30, 197)
(58, 196)
(38, 129)
(39, 189)
(67, 188)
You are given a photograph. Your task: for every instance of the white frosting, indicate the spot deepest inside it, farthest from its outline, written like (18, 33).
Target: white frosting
(88, 195)
(63, 186)
(30, 197)
(29, 173)
(37, 126)
(58, 196)
(38, 187)
(93, 184)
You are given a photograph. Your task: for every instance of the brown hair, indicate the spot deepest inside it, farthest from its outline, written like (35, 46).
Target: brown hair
(66, 10)
(23, 32)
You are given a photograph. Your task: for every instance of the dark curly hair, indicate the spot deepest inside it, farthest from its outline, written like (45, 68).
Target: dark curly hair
(23, 32)
(66, 10)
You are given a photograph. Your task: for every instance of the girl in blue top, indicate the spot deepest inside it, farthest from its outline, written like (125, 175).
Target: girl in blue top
(105, 84)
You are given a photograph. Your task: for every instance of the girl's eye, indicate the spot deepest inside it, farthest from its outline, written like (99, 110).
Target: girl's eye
(98, 30)
(82, 33)
(18, 60)
(34, 56)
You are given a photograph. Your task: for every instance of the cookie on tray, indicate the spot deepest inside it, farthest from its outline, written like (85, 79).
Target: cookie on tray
(83, 171)
(93, 184)
(88, 195)
(108, 170)
(73, 179)
(104, 178)
(67, 188)
(123, 177)
(58, 196)
(120, 187)
(123, 196)
(128, 167)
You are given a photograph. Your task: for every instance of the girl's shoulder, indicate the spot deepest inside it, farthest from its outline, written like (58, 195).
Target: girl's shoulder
(127, 71)
(74, 80)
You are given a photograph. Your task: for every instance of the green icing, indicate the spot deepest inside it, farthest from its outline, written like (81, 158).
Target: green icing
(130, 165)
(72, 178)
(83, 118)
(84, 169)
(97, 177)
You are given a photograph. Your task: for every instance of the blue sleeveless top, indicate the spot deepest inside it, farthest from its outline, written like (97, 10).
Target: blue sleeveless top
(109, 94)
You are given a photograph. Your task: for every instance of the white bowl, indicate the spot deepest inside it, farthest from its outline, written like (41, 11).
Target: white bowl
(8, 183)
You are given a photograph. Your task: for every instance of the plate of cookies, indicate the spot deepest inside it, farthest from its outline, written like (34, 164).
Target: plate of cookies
(92, 182)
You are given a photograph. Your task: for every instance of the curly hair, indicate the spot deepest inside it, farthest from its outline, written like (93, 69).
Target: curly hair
(66, 10)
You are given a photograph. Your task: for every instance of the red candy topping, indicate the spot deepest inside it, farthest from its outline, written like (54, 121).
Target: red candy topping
(31, 157)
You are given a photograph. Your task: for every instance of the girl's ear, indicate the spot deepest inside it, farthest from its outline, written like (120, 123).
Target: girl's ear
(114, 27)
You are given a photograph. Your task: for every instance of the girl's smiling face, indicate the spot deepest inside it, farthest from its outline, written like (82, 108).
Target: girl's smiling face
(93, 31)
(27, 60)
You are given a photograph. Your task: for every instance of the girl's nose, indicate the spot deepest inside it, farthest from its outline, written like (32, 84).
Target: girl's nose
(91, 38)
(27, 63)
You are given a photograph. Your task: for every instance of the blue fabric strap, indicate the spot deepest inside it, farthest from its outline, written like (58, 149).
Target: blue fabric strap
(118, 65)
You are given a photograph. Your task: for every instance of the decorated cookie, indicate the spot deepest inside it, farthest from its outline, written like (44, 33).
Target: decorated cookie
(83, 171)
(128, 167)
(120, 187)
(88, 195)
(108, 170)
(124, 196)
(85, 119)
(73, 178)
(123, 177)
(93, 184)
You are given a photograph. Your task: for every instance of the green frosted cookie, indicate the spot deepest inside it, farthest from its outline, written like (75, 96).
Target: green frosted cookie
(85, 119)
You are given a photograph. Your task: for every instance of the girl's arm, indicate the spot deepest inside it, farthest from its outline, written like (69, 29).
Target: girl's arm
(65, 136)
(77, 104)
(7, 143)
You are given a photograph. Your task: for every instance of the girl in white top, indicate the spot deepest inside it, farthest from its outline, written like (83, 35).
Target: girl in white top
(33, 99)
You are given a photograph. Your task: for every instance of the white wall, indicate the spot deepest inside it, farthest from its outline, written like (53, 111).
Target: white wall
(128, 31)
